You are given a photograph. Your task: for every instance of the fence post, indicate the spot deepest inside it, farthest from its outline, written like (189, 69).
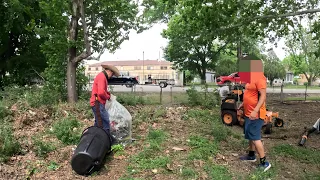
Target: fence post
(160, 95)
(305, 93)
(281, 93)
(171, 93)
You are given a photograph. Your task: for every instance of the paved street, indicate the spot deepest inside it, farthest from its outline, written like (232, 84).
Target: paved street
(149, 88)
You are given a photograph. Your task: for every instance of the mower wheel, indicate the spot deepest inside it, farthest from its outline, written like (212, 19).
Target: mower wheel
(268, 129)
(278, 122)
(229, 117)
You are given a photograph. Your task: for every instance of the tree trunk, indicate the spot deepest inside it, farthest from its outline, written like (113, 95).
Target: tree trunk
(309, 81)
(72, 64)
(184, 81)
(239, 51)
(71, 81)
(2, 74)
(203, 77)
(271, 82)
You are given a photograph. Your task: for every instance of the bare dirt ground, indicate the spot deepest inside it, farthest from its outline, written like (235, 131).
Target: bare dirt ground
(296, 116)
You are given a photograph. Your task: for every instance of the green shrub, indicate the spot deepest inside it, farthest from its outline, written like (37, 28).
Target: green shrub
(4, 112)
(38, 97)
(205, 99)
(68, 130)
(8, 144)
(42, 148)
(130, 99)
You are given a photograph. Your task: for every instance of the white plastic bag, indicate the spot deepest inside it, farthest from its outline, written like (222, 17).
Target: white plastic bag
(120, 121)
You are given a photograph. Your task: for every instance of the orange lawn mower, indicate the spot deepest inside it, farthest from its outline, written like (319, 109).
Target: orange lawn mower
(231, 115)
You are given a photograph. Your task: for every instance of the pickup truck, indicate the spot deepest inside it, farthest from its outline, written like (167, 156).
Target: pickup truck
(123, 80)
(226, 80)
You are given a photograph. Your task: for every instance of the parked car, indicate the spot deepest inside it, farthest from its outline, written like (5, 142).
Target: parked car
(123, 80)
(225, 80)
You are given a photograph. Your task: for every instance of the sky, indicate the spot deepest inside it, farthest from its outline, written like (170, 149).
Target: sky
(150, 42)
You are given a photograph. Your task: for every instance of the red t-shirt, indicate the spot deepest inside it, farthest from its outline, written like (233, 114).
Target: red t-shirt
(100, 87)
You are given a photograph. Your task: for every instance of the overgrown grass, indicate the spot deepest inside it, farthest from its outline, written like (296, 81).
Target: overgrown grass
(68, 130)
(202, 148)
(8, 143)
(148, 158)
(42, 148)
(205, 99)
(298, 153)
(205, 145)
(308, 98)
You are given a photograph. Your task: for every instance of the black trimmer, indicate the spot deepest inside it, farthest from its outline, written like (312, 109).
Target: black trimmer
(307, 132)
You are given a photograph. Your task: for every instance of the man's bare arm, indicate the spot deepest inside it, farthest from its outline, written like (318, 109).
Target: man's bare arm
(262, 99)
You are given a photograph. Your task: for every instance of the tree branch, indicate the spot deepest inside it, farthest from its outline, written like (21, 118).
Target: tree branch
(103, 47)
(222, 47)
(37, 73)
(87, 44)
(309, 11)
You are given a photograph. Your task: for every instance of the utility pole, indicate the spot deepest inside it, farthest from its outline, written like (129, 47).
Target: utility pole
(143, 67)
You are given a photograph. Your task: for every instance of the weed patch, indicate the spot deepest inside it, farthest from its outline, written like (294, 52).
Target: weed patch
(150, 114)
(4, 112)
(42, 148)
(68, 130)
(9, 145)
(189, 173)
(202, 148)
(298, 153)
(130, 99)
(205, 99)
(217, 172)
(147, 159)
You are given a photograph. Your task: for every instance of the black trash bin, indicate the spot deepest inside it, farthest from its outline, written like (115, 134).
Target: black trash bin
(95, 143)
(90, 154)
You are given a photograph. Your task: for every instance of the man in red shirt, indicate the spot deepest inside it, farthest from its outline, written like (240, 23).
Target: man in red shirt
(100, 89)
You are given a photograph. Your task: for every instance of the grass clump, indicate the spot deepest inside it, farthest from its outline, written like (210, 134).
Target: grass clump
(42, 148)
(148, 159)
(202, 148)
(8, 144)
(298, 153)
(67, 130)
(217, 172)
(205, 99)
(130, 99)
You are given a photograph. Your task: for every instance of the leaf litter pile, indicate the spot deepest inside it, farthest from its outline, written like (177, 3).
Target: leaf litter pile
(170, 143)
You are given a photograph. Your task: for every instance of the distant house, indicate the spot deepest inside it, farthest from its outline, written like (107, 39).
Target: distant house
(289, 77)
(301, 79)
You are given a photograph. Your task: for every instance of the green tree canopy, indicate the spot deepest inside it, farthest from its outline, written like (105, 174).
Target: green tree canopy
(20, 52)
(303, 48)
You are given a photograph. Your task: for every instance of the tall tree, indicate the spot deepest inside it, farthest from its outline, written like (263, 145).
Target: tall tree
(81, 28)
(193, 43)
(20, 54)
(273, 67)
(226, 65)
(302, 49)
